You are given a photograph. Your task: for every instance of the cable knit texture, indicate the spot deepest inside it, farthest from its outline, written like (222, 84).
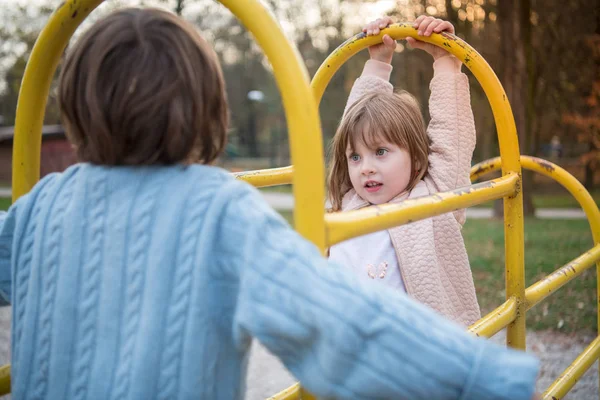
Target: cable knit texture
(149, 283)
(431, 252)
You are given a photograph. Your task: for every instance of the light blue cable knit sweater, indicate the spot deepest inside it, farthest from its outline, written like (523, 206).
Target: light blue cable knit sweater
(148, 283)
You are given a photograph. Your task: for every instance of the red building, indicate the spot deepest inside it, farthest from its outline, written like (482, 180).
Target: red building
(56, 155)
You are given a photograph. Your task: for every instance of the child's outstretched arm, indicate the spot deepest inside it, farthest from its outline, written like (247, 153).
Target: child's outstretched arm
(452, 127)
(376, 73)
(345, 338)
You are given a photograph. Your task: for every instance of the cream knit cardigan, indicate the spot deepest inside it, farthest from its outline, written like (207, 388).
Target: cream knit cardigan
(431, 252)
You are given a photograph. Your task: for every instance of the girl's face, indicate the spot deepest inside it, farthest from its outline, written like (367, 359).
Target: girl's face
(380, 172)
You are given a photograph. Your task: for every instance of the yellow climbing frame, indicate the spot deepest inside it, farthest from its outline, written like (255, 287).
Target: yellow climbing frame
(308, 178)
(512, 313)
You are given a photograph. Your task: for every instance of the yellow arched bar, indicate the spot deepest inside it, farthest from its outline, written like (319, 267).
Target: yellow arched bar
(302, 116)
(35, 88)
(290, 74)
(555, 172)
(292, 79)
(507, 137)
(540, 290)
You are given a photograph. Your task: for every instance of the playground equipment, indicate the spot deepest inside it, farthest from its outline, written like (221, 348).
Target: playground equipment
(308, 177)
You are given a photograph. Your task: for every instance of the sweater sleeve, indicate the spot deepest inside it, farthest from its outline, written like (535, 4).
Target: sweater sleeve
(7, 227)
(345, 338)
(451, 131)
(374, 78)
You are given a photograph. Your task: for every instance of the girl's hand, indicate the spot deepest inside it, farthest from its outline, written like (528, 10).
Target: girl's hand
(383, 51)
(425, 27)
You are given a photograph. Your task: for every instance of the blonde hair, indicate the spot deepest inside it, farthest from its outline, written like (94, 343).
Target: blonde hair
(393, 117)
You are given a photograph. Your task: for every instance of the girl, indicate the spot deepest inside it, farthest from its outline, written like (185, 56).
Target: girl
(143, 272)
(381, 153)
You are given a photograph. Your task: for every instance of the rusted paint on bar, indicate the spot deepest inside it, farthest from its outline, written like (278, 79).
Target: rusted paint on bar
(550, 284)
(485, 167)
(496, 320)
(345, 225)
(574, 372)
(556, 173)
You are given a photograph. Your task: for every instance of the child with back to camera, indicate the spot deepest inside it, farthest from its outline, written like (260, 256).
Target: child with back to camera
(381, 153)
(144, 273)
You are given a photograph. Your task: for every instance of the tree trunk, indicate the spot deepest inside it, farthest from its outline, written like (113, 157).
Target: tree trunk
(451, 13)
(515, 33)
(589, 177)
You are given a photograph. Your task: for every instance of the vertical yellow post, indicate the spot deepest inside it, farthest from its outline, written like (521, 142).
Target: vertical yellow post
(515, 269)
(596, 236)
(513, 206)
(513, 235)
(513, 209)
(302, 114)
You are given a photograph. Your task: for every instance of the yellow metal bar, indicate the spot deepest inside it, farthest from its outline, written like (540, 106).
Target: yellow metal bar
(574, 372)
(507, 138)
(267, 177)
(453, 44)
(301, 113)
(35, 87)
(550, 284)
(569, 182)
(294, 392)
(291, 393)
(486, 167)
(4, 380)
(560, 175)
(345, 225)
(496, 320)
(515, 269)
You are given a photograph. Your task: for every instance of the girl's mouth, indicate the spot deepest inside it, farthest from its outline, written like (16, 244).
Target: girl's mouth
(372, 186)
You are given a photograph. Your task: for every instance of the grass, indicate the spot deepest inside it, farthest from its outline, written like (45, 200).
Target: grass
(549, 244)
(561, 200)
(554, 200)
(4, 203)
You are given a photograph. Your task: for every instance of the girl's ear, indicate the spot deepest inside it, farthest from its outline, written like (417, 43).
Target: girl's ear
(416, 165)
(416, 168)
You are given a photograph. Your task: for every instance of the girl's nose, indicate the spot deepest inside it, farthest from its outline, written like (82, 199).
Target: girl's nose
(367, 168)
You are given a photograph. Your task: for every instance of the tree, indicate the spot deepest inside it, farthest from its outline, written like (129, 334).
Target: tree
(588, 121)
(18, 35)
(515, 47)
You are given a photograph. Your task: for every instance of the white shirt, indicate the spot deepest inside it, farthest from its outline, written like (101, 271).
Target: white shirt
(371, 257)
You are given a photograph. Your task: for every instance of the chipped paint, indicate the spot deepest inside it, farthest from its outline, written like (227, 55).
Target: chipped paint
(546, 165)
(551, 283)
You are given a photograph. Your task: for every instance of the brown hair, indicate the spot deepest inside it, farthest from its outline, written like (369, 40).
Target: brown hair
(142, 87)
(393, 117)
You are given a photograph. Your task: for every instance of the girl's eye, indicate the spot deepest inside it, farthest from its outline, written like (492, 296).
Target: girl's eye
(380, 152)
(354, 157)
